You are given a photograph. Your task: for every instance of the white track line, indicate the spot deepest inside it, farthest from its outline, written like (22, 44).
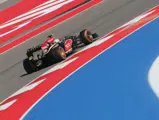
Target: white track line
(2, 1)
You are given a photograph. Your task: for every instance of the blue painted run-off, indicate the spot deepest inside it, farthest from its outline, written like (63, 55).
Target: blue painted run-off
(114, 86)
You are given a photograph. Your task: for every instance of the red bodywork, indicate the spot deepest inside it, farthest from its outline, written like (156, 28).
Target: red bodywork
(45, 45)
(68, 45)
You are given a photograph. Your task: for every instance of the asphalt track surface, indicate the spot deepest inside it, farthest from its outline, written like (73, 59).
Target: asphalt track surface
(103, 18)
(4, 4)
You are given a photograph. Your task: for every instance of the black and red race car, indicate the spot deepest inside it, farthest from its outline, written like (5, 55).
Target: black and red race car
(55, 50)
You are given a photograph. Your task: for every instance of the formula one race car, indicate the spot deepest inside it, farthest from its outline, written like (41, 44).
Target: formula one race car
(55, 50)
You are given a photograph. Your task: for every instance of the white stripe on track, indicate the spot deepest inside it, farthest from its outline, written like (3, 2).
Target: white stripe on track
(2, 1)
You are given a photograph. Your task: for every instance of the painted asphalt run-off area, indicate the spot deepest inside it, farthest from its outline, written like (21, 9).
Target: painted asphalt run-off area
(35, 14)
(129, 72)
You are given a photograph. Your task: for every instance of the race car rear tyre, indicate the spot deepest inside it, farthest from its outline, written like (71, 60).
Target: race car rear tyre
(29, 68)
(86, 37)
(58, 54)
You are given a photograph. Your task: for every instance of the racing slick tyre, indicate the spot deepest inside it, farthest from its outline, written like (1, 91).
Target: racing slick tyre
(29, 68)
(86, 37)
(58, 54)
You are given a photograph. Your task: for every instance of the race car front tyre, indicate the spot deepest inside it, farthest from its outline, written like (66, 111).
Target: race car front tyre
(86, 37)
(29, 67)
(58, 54)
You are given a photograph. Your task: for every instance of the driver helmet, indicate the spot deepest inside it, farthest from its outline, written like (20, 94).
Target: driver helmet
(50, 39)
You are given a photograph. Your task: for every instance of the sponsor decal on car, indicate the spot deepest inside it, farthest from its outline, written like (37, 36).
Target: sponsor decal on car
(68, 45)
